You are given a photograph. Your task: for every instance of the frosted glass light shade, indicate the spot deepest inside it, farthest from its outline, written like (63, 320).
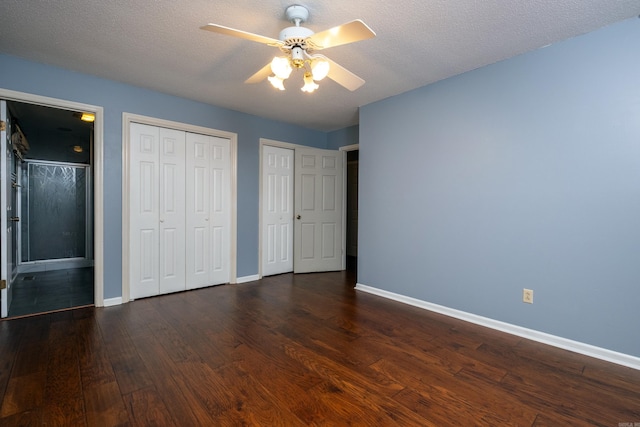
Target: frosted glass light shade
(319, 69)
(281, 67)
(309, 84)
(276, 82)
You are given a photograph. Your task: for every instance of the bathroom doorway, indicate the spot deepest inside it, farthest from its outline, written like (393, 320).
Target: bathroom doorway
(53, 209)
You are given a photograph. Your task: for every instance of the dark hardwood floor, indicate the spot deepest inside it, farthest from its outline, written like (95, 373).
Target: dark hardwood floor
(294, 350)
(43, 291)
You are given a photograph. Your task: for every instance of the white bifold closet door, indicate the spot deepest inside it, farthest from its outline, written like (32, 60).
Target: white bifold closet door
(157, 240)
(179, 210)
(208, 210)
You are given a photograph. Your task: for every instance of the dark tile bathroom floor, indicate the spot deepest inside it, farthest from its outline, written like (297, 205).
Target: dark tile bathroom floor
(51, 290)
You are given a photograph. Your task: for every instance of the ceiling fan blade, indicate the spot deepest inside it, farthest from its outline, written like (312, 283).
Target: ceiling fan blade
(343, 77)
(262, 74)
(350, 32)
(221, 29)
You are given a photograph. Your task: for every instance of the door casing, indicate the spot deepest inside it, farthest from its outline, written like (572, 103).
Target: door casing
(5, 204)
(98, 174)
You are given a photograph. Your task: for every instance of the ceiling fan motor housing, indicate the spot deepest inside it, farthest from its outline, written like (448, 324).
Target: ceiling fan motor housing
(295, 34)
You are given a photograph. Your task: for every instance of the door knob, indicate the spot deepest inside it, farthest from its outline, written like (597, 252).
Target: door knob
(298, 216)
(15, 218)
(15, 185)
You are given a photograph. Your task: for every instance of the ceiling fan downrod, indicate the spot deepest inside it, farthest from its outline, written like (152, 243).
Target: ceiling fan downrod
(295, 36)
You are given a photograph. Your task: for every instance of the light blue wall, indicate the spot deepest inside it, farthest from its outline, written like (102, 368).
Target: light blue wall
(116, 98)
(342, 137)
(523, 174)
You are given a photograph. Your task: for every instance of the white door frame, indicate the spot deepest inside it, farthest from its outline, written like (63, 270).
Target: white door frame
(127, 119)
(345, 149)
(98, 175)
(5, 177)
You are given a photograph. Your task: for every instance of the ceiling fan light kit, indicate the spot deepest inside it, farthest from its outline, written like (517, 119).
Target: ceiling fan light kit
(309, 84)
(276, 82)
(281, 67)
(319, 68)
(298, 44)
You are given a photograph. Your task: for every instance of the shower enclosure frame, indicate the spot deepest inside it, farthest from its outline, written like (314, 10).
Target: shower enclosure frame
(56, 263)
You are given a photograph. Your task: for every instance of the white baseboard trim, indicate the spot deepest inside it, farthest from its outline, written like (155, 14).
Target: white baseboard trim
(112, 301)
(563, 343)
(245, 279)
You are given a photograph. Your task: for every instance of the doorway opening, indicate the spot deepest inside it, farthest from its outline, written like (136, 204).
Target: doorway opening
(302, 217)
(352, 210)
(51, 260)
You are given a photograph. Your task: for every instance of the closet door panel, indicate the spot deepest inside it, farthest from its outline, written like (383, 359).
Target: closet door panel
(198, 206)
(208, 210)
(144, 206)
(220, 209)
(172, 212)
(200, 251)
(218, 252)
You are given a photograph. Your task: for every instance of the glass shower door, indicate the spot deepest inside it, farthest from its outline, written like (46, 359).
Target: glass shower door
(55, 214)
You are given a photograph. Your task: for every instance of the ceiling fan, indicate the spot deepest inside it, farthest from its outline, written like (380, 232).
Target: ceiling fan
(298, 44)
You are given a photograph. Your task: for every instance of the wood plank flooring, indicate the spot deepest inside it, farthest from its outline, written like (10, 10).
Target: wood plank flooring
(43, 291)
(294, 350)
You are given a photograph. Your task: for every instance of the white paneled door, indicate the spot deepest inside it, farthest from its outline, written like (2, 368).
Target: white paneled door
(172, 213)
(157, 263)
(144, 211)
(318, 210)
(180, 211)
(208, 225)
(277, 208)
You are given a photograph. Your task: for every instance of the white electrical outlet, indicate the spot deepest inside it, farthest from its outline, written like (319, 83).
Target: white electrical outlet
(527, 296)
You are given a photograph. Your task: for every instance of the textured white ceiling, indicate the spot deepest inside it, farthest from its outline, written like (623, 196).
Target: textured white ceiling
(157, 44)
